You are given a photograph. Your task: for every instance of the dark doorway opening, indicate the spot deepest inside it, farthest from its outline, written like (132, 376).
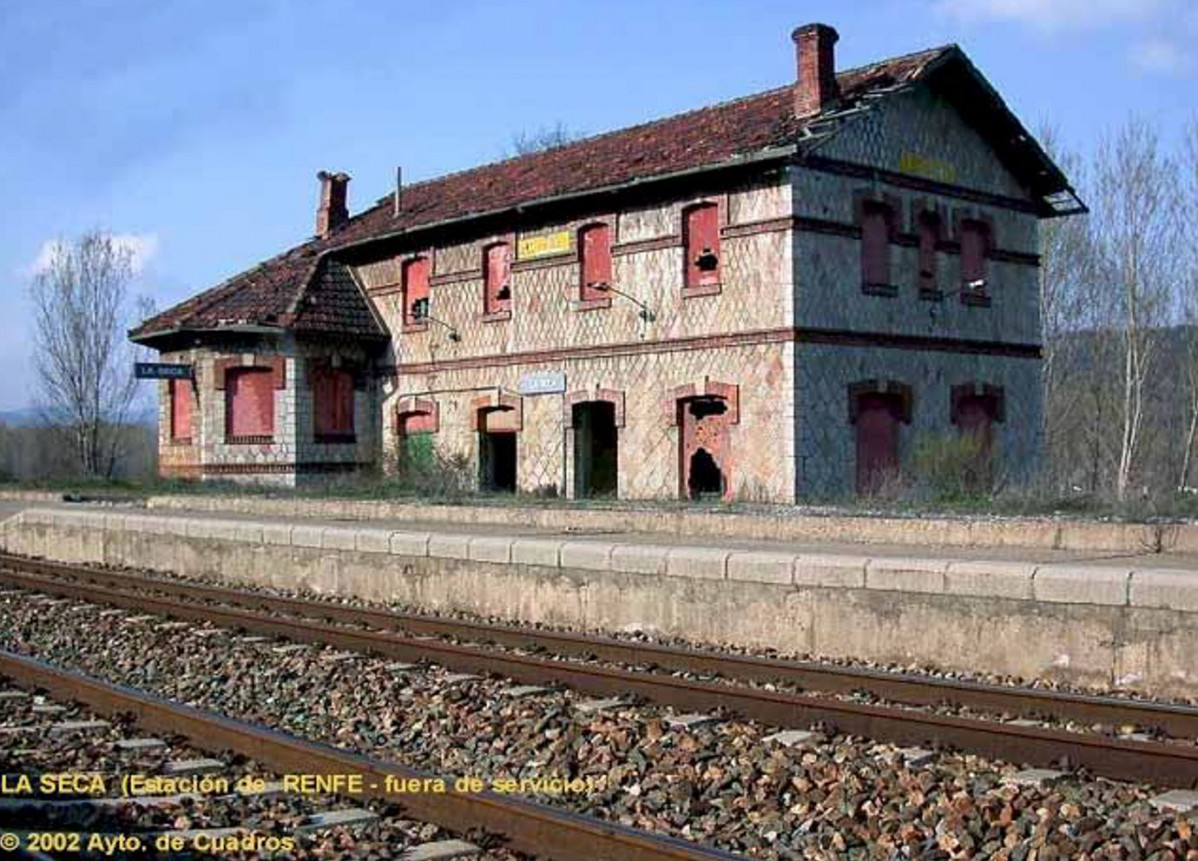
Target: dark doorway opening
(596, 449)
(705, 479)
(497, 461)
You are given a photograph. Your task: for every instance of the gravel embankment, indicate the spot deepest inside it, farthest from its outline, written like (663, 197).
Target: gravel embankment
(830, 797)
(34, 744)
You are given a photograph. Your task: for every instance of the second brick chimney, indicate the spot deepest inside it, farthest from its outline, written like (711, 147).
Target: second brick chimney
(815, 85)
(332, 212)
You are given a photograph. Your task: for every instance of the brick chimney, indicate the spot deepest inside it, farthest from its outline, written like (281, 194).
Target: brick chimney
(815, 86)
(332, 212)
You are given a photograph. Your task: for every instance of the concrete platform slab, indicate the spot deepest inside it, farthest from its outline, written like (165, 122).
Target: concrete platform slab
(762, 567)
(1073, 584)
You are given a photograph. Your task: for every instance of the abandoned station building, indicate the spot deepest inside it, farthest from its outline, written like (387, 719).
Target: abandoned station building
(773, 299)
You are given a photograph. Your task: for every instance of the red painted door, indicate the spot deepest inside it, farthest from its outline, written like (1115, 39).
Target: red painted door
(182, 392)
(877, 442)
(975, 419)
(250, 402)
(333, 392)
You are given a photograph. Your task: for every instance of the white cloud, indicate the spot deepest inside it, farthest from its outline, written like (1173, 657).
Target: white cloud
(1053, 14)
(1160, 57)
(142, 247)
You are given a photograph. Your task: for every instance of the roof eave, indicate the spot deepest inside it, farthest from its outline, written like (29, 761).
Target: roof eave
(770, 154)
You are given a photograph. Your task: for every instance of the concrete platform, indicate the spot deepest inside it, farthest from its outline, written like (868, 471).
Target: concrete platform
(1058, 613)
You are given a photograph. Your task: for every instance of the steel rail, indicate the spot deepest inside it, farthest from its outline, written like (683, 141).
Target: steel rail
(1155, 762)
(1172, 720)
(537, 829)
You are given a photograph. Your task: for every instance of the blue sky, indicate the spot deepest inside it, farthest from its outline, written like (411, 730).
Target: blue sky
(194, 129)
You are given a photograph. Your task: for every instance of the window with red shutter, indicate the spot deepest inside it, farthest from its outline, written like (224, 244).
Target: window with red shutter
(929, 238)
(333, 394)
(497, 277)
(594, 249)
(415, 290)
(975, 244)
(875, 246)
(182, 392)
(249, 404)
(701, 239)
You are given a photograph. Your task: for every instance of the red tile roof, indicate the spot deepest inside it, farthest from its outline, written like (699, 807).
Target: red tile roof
(270, 293)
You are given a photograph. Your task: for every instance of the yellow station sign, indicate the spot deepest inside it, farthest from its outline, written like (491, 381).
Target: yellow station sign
(926, 166)
(543, 245)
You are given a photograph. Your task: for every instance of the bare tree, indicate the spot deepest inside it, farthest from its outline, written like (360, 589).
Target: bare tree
(84, 364)
(1189, 296)
(1134, 229)
(544, 138)
(1067, 306)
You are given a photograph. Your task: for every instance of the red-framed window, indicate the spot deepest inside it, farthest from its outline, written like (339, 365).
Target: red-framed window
(877, 219)
(701, 240)
(182, 395)
(929, 239)
(415, 289)
(497, 278)
(594, 251)
(333, 404)
(249, 404)
(975, 245)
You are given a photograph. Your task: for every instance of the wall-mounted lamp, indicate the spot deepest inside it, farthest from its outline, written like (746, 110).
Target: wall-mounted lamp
(646, 313)
(977, 287)
(421, 315)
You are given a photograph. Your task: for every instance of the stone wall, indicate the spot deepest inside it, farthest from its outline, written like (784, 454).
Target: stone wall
(209, 454)
(613, 347)
(927, 342)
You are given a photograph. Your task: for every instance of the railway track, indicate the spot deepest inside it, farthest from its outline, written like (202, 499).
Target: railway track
(522, 826)
(411, 638)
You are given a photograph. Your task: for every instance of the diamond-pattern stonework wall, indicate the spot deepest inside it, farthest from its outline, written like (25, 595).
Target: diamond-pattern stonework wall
(921, 123)
(762, 461)
(756, 272)
(826, 439)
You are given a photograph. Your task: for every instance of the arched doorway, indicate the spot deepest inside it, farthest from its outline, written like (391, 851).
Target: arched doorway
(703, 446)
(975, 409)
(497, 451)
(596, 449)
(414, 443)
(878, 417)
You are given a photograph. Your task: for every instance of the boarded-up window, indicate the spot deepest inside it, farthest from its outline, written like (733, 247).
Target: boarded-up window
(415, 290)
(497, 277)
(249, 403)
(975, 245)
(875, 244)
(333, 407)
(182, 397)
(594, 247)
(701, 238)
(929, 238)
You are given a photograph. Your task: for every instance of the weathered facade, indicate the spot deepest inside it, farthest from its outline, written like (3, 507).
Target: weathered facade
(769, 299)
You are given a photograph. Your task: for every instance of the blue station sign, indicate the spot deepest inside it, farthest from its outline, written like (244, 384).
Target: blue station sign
(162, 371)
